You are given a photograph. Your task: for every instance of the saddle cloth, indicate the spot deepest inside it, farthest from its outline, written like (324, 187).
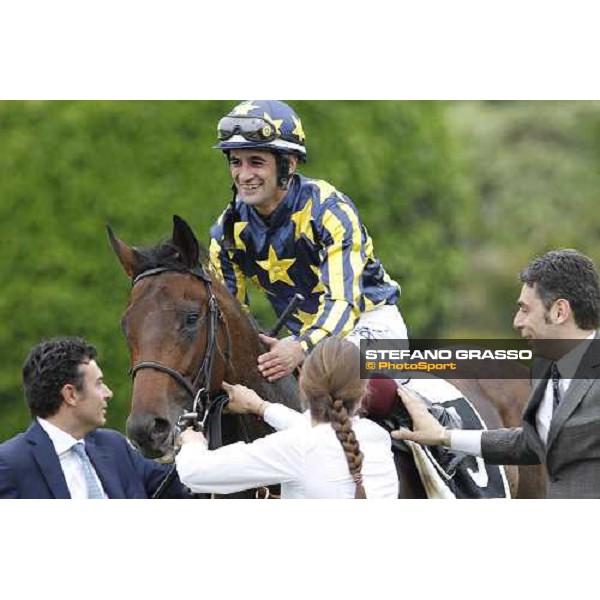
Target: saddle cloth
(447, 474)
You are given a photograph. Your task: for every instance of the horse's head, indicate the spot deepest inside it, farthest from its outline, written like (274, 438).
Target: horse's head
(168, 327)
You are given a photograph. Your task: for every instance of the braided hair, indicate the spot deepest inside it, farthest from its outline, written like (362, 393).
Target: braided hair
(330, 382)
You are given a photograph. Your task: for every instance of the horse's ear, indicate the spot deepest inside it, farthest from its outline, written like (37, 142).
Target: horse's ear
(126, 254)
(186, 242)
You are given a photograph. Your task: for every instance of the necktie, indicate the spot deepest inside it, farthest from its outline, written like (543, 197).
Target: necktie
(94, 491)
(555, 375)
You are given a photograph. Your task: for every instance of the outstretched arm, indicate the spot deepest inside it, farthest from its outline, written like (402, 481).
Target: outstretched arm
(428, 431)
(276, 458)
(243, 400)
(516, 445)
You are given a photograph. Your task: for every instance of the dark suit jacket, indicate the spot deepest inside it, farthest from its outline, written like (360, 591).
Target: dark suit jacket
(30, 467)
(572, 452)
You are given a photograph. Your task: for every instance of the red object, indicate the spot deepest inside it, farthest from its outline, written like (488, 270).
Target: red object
(381, 397)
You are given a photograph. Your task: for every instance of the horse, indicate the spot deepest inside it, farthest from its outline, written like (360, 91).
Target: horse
(186, 334)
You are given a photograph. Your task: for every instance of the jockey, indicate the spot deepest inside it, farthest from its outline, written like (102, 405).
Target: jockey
(289, 234)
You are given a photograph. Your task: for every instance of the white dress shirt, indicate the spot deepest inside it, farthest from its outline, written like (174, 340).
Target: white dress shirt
(281, 417)
(69, 461)
(470, 441)
(309, 462)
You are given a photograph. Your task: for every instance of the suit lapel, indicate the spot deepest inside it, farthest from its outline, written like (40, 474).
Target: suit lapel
(536, 397)
(573, 397)
(106, 469)
(541, 375)
(44, 454)
(586, 374)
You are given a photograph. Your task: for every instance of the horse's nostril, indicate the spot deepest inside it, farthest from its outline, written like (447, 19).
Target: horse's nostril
(160, 430)
(150, 433)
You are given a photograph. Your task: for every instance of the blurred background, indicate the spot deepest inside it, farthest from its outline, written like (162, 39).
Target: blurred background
(458, 197)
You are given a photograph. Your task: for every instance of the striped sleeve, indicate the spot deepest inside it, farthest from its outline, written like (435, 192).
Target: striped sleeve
(224, 267)
(342, 262)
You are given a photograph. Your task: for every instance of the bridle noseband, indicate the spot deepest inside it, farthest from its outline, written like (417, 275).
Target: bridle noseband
(199, 388)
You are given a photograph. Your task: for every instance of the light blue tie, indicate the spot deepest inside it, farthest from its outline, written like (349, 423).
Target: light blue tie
(94, 491)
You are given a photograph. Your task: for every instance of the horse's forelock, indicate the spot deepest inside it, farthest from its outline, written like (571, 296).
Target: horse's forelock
(167, 255)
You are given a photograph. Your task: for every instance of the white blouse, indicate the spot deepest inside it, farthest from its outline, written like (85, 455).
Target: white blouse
(309, 462)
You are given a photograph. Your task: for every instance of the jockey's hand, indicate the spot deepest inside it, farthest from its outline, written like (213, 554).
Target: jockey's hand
(281, 359)
(189, 436)
(426, 429)
(243, 400)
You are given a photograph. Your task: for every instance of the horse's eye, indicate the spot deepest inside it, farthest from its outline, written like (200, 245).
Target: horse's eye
(191, 319)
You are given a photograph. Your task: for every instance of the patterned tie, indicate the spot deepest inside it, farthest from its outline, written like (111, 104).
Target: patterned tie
(94, 491)
(555, 389)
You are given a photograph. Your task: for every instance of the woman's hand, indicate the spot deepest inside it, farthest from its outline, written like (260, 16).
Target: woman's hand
(243, 400)
(189, 436)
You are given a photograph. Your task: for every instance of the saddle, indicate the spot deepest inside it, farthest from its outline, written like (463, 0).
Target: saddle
(445, 473)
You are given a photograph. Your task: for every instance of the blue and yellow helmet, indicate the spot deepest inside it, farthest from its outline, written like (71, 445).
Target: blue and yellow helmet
(268, 124)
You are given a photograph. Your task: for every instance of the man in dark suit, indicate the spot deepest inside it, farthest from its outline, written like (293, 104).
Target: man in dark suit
(559, 312)
(63, 454)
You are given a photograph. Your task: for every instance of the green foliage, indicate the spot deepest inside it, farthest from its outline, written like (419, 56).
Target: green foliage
(67, 168)
(400, 166)
(535, 170)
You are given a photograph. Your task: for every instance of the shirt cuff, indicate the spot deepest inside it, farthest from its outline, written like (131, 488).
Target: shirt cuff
(467, 441)
(187, 457)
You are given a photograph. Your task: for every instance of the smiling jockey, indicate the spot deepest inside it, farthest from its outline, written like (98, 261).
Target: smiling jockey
(289, 234)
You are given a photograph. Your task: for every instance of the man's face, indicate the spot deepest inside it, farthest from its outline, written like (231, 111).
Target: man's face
(254, 173)
(532, 320)
(93, 398)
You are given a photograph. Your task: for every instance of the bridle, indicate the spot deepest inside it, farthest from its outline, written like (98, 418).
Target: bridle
(206, 407)
(203, 405)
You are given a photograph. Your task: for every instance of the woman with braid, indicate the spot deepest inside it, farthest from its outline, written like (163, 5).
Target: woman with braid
(327, 452)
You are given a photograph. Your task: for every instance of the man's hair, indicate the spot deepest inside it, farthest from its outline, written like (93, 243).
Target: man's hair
(569, 275)
(48, 367)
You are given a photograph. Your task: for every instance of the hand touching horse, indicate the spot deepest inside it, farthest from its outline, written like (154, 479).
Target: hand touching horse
(186, 334)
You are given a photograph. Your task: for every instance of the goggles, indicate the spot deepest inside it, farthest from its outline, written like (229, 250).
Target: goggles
(252, 129)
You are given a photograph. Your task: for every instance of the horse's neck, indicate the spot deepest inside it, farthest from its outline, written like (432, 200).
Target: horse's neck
(284, 391)
(246, 348)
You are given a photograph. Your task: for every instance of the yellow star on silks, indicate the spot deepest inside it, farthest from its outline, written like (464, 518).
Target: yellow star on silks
(299, 130)
(244, 108)
(277, 123)
(319, 287)
(277, 267)
(238, 227)
(301, 220)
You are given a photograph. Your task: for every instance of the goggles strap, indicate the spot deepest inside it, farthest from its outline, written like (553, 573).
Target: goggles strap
(229, 220)
(282, 162)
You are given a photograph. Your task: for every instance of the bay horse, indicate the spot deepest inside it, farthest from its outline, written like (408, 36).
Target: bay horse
(186, 334)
